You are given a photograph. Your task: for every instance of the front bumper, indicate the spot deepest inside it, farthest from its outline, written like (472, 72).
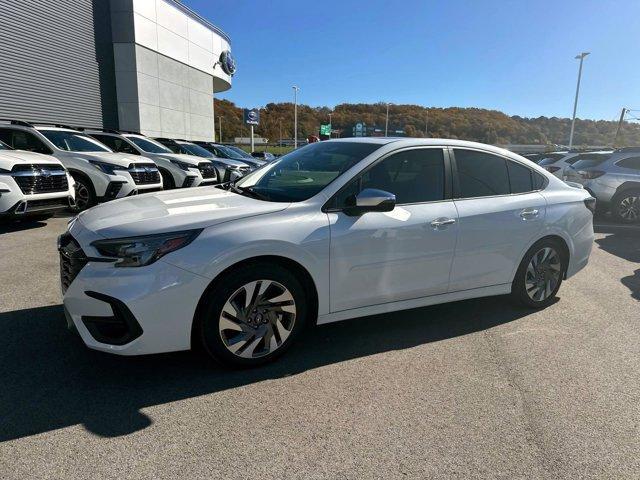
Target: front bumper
(160, 299)
(14, 202)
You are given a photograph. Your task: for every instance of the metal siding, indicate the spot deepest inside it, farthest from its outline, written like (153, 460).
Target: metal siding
(56, 62)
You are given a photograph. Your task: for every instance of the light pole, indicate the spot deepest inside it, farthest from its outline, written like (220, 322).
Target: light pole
(295, 116)
(575, 103)
(220, 127)
(386, 122)
(330, 125)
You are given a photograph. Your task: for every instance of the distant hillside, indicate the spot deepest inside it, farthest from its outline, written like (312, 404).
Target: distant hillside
(488, 126)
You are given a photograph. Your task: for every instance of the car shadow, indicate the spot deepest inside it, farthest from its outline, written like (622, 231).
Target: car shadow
(51, 380)
(11, 226)
(626, 245)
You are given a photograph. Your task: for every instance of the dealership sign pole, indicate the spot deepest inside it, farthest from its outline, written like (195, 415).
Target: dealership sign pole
(295, 116)
(252, 117)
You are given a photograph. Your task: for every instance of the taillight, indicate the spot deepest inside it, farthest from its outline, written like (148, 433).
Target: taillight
(590, 203)
(551, 169)
(589, 174)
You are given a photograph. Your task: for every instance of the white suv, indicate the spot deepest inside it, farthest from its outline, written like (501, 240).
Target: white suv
(178, 171)
(99, 173)
(32, 184)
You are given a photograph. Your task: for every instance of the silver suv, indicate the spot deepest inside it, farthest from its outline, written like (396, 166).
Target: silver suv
(613, 179)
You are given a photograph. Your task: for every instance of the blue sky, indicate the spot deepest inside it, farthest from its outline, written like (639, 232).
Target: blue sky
(514, 56)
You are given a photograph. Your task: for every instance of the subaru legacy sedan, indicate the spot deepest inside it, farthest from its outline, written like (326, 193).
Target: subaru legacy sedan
(334, 230)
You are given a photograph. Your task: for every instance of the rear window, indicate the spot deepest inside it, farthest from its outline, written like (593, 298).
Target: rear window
(590, 160)
(548, 160)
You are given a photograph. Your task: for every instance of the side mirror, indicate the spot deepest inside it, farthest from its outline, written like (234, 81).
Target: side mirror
(370, 200)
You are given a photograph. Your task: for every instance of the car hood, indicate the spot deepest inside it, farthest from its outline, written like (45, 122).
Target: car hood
(9, 158)
(181, 157)
(172, 210)
(119, 159)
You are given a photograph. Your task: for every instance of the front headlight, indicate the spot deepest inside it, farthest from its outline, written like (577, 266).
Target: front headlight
(106, 167)
(140, 251)
(182, 165)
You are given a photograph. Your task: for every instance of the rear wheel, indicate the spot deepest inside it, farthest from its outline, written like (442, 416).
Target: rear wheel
(85, 196)
(540, 274)
(625, 206)
(254, 315)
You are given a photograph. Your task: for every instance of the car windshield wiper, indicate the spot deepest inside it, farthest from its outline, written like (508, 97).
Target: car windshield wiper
(247, 191)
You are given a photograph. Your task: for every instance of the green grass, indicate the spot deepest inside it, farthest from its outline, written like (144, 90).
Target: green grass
(269, 148)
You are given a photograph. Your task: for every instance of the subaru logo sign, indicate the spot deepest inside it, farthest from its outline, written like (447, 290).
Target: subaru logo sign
(252, 116)
(227, 62)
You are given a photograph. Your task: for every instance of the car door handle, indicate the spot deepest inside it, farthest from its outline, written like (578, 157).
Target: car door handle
(529, 213)
(441, 222)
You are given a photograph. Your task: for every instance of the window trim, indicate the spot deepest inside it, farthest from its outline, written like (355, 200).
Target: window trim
(327, 208)
(617, 164)
(456, 180)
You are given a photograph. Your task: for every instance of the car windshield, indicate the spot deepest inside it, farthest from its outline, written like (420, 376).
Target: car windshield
(197, 150)
(301, 174)
(148, 145)
(241, 153)
(589, 161)
(74, 141)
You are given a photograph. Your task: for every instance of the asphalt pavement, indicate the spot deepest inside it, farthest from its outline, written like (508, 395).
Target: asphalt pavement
(474, 389)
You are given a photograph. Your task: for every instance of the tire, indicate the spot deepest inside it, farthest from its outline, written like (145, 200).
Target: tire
(625, 206)
(257, 336)
(167, 180)
(536, 286)
(85, 195)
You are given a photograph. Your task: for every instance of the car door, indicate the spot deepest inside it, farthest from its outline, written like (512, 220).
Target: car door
(500, 213)
(380, 257)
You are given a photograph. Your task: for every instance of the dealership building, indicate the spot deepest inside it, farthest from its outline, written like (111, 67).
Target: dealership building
(149, 66)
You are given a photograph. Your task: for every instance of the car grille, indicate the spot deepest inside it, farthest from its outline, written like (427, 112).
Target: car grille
(72, 260)
(34, 179)
(207, 170)
(144, 174)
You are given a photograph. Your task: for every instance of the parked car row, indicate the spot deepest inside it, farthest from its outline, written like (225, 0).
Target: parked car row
(45, 168)
(611, 176)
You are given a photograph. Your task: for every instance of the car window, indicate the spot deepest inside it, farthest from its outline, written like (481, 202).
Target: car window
(631, 162)
(21, 140)
(74, 141)
(4, 146)
(520, 178)
(590, 160)
(149, 146)
(481, 174)
(548, 160)
(301, 174)
(197, 150)
(116, 144)
(413, 176)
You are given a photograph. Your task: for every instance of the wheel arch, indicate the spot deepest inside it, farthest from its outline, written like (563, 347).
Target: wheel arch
(80, 174)
(292, 265)
(555, 236)
(626, 186)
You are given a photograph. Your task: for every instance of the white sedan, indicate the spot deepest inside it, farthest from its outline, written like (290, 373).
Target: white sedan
(332, 231)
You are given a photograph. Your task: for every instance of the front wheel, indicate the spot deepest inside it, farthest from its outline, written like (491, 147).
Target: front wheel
(85, 196)
(625, 207)
(540, 274)
(254, 315)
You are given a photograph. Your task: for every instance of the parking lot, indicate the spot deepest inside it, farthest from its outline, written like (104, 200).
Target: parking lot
(475, 389)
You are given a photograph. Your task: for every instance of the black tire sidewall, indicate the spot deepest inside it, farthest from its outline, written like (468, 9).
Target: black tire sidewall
(518, 289)
(224, 288)
(92, 195)
(616, 201)
(167, 180)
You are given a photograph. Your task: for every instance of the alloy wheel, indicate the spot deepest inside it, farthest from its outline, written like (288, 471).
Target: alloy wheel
(257, 319)
(543, 274)
(629, 208)
(82, 196)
